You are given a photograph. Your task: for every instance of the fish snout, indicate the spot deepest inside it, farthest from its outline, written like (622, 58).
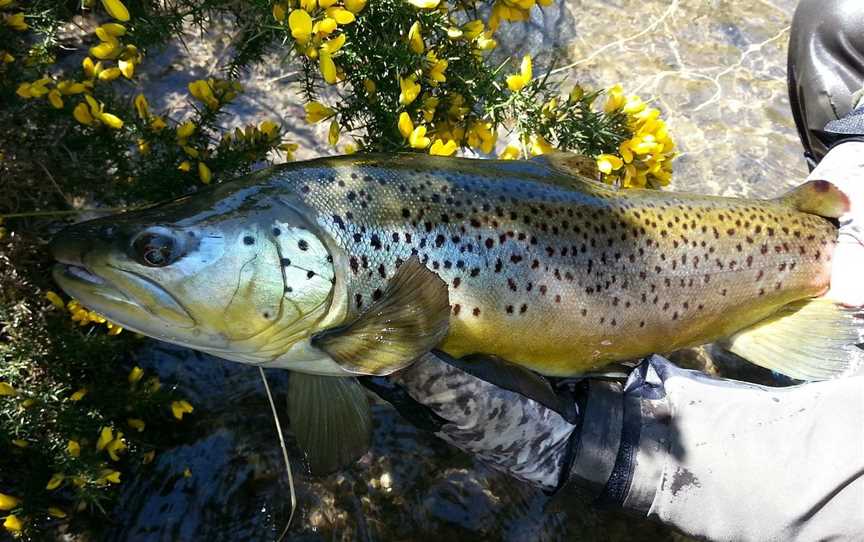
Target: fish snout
(71, 244)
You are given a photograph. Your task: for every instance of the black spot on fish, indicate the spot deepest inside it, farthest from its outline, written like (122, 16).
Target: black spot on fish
(285, 262)
(248, 240)
(375, 242)
(303, 245)
(276, 232)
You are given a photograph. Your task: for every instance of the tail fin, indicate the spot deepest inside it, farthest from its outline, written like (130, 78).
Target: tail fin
(814, 339)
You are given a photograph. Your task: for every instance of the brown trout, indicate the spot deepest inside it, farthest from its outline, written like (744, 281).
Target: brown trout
(357, 265)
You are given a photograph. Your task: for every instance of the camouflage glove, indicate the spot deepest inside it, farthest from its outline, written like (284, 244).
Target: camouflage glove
(717, 459)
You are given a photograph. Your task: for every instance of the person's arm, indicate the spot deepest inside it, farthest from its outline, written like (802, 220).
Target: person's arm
(718, 459)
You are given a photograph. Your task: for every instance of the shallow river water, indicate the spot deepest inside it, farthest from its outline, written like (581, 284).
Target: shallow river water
(715, 67)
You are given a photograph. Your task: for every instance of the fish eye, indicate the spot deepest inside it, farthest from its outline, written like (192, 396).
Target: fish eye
(155, 249)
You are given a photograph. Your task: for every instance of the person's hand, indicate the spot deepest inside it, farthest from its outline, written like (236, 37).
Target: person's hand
(843, 166)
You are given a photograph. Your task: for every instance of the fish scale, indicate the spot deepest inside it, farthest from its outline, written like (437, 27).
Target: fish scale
(563, 276)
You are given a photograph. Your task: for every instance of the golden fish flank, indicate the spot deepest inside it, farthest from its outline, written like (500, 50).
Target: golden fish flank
(565, 275)
(546, 269)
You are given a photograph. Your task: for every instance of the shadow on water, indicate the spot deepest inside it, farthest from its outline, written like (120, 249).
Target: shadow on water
(409, 486)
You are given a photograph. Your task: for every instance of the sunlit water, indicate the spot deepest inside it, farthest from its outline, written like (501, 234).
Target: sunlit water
(716, 68)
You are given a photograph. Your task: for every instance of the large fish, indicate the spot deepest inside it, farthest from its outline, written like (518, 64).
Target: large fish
(358, 265)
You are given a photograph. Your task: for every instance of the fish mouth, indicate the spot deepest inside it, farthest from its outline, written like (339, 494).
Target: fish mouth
(80, 274)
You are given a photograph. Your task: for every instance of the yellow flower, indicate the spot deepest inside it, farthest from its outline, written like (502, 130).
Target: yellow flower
(415, 38)
(108, 475)
(24, 90)
(340, 15)
(333, 132)
(116, 446)
(82, 114)
(607, 163)
(418, 139)
(328, 67)
(27, 403)
(538, 145)
(203, 92)
(55, 99)
(185, 165)
(55, 481)
(21, 443)
(68, 88)
(7, 58)
(110, 74)
(204, 173)
(436, 72)
(106, 435)
(111, 121)
(270, 129)
(186, 129)
(106, 50)
(179, 408)
(349, 148)
(300, 23)
(369, 86)
(517, 81)
(127, 68)
(486, 42)
(187, 473)
(439, 148)
(481, 136)
(135, 374)
(333, 45)
(13, 524)
(615, 98)
(116, 9)
(8, 502)
(78, 395)
(56, 512)
(7, 389)
(73, 448)
(114, 29)
(142, 107)
(355, 6)
(316, 112)
(473, 29)
(405, 125)
(279, 12)
(55, 299)
(409, 90)
(425, 4)
(16, 21)
(157, 124)
(136, 424)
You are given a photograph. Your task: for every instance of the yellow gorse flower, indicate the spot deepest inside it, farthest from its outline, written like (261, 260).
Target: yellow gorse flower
(6, 389)
(106, 435)
(424, 4)
(517, 81)
(15, 21)
(55, 481)
(8, 502)
(136, 424)
(204, 173)
(645, 158)
(116, 446)
(316, 112)
(78, 395)
(73, 448)
(409, 90)
(415, 38)
(21, 443)
(116, 9)
(13, 524)
(56, 512)
(135, 374)
(510, 152)
(179, 408)
(440, 148)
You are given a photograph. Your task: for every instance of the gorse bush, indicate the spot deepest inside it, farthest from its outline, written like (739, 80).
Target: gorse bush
(384, 75)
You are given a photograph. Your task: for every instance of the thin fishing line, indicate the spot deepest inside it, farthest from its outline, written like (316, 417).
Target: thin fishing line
(284, 454)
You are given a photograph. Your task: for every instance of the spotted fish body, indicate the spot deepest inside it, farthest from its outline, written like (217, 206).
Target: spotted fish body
(557, 274)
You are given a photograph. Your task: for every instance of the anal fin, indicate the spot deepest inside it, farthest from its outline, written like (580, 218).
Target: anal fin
(331, 419)
(814, 339)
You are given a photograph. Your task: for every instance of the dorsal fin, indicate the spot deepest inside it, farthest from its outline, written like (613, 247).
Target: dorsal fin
(817, 198)
(570, 163)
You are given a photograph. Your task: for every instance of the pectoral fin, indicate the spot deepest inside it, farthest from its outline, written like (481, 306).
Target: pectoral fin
(808, 340)
(330, 417)
(817, 198)
(410, 319)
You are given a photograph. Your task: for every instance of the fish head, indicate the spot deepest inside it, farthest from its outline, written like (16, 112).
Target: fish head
(233, 271)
